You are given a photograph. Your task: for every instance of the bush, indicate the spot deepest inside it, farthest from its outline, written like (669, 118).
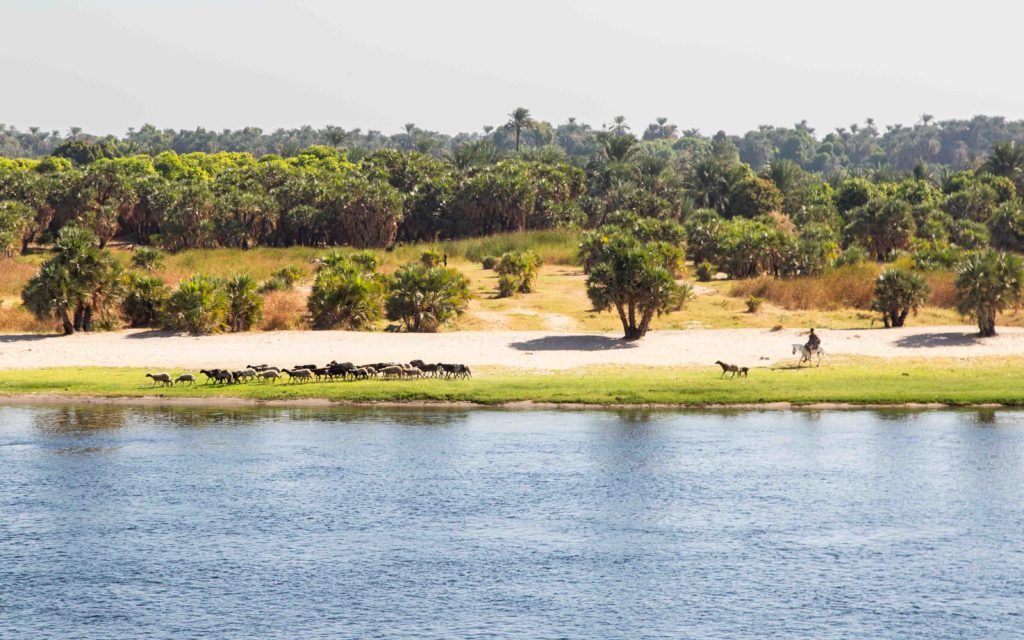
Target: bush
(347, 295)
(932, 256)
(245, 307)
(489, 262)
(853, 255)
(424, 299)
(517, 272)
(148, 259)
(284, 279)
(897, 294)
(754, 304)
(198, 306)
(433, 258)
(144, 299)
(16, 220)
(705, 271)
(988, 283)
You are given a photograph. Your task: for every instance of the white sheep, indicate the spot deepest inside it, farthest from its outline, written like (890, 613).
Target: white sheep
(163, 378)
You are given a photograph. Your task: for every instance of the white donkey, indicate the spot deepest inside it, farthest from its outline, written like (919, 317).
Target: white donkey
(806, 355)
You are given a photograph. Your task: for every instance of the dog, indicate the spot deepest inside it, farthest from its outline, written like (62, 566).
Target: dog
(733, 369)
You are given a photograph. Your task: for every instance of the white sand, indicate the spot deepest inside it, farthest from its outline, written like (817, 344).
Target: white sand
(522, 349)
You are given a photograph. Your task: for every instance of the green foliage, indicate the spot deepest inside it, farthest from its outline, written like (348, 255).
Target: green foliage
(15, 223)
(897, 294)
(754, 304)
(489, 262)
(347, 294)
(80, 284)
(149, 259)
(631, 276)
(754, 197)
(933, 256)
(1007, 227)
(517, 272)
(284, 279)
(988, 283)
(433, 258)
(424, 299)
(143, 301)
(705, 271)
(198, 306)
(853, 255)
(881, 226)
(756, 247)
(245, 306)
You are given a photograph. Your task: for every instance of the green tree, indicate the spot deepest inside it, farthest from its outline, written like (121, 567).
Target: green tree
(245, 306)
(1006, 160)
(198, 306)
(898, 293)
(518, 120)
(15, 224)
(79, 283)
(424, 298)
(881, 226)
(988, 283)
(631, 277)
(754, 197)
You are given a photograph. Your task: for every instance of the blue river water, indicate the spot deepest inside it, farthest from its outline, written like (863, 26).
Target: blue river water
(122, 522)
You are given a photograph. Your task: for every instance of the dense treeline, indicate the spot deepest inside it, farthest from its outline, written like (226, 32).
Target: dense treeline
(778, 220)
(860, 149)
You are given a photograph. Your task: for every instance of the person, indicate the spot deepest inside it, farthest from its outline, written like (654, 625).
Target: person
(813, 342)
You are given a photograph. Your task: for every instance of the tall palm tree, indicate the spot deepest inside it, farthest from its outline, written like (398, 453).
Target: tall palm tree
(619, 127)
(519, 119)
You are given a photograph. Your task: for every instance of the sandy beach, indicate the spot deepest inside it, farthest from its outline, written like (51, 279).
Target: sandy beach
(518, 349)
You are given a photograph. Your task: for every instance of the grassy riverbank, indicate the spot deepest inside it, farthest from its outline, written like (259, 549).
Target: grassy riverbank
(846, 381)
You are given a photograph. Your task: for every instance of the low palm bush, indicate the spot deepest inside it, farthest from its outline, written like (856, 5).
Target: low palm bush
(517, 272)
(424, 298)
(346, 295)
(144, 298)
(988, 283)
(198, 306)
(149, 259)
(899, 293)
(245, 306)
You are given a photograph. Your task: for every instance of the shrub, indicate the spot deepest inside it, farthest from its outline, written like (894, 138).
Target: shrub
(16, 220)
(489, 262)
(433, 258)
(897, 294)
(882, 226)
(987, 283)
(754, 304)
(148, 259)
(970, 235)
(347, 295)
(853, 255)
(424, 299)
(844, 287)
(245, 307)
(198, 306)
(932, 256)
(517, 271)
(705, 271)
(143, 300)
(284, 279)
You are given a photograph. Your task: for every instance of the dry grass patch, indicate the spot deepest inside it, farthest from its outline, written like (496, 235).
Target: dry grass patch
(284, 311)
(846, 287)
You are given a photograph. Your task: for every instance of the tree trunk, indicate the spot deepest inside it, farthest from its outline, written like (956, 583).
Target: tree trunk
(987, 325)
(623, 319)
(87, 319)
(79, 317)
(65, 321)
(517, 139)
(902, 318)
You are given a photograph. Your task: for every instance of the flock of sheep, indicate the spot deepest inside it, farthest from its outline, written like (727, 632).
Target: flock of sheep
(310, 372)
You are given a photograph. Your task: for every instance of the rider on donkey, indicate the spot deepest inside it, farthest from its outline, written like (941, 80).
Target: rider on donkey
(813, 342)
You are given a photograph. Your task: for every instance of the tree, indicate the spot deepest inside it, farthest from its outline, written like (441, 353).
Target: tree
(881, 226)
(1006, 160)
(15, 224)
(988, 283)
(198, 306)
(631, 277)
(424, 298)
(346, 293)
(79, 283)
(244, 304)
(754, 197)
(898, 293)
(518, 120)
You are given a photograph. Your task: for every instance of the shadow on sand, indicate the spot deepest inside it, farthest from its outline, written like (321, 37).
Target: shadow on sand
(573, 343)
(151, 333)
(926, 340)
(29, 337)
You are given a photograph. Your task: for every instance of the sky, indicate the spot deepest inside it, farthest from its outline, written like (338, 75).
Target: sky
(456, 65)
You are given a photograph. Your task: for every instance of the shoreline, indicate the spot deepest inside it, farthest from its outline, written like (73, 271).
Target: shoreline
(227, 401)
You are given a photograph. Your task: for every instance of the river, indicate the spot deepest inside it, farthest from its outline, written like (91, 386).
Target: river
(123, 522)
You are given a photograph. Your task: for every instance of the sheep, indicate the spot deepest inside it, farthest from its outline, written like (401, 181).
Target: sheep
(211, 374)
(258, 367)
(392, 371)
(456, 371)
(411, 372)
(163, 378)
(299, 374)
(359, 373)
(185, 377)
(419, 364)
(244, 374)
(269, 374)
(304, 366)
(432, 369)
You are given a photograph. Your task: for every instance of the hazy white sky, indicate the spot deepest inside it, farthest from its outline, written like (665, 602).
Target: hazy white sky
(454, 65)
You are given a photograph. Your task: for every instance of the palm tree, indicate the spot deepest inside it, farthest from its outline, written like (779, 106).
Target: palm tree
(519, 119)
(1006, 159)
(986, 284)
(619, 127)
